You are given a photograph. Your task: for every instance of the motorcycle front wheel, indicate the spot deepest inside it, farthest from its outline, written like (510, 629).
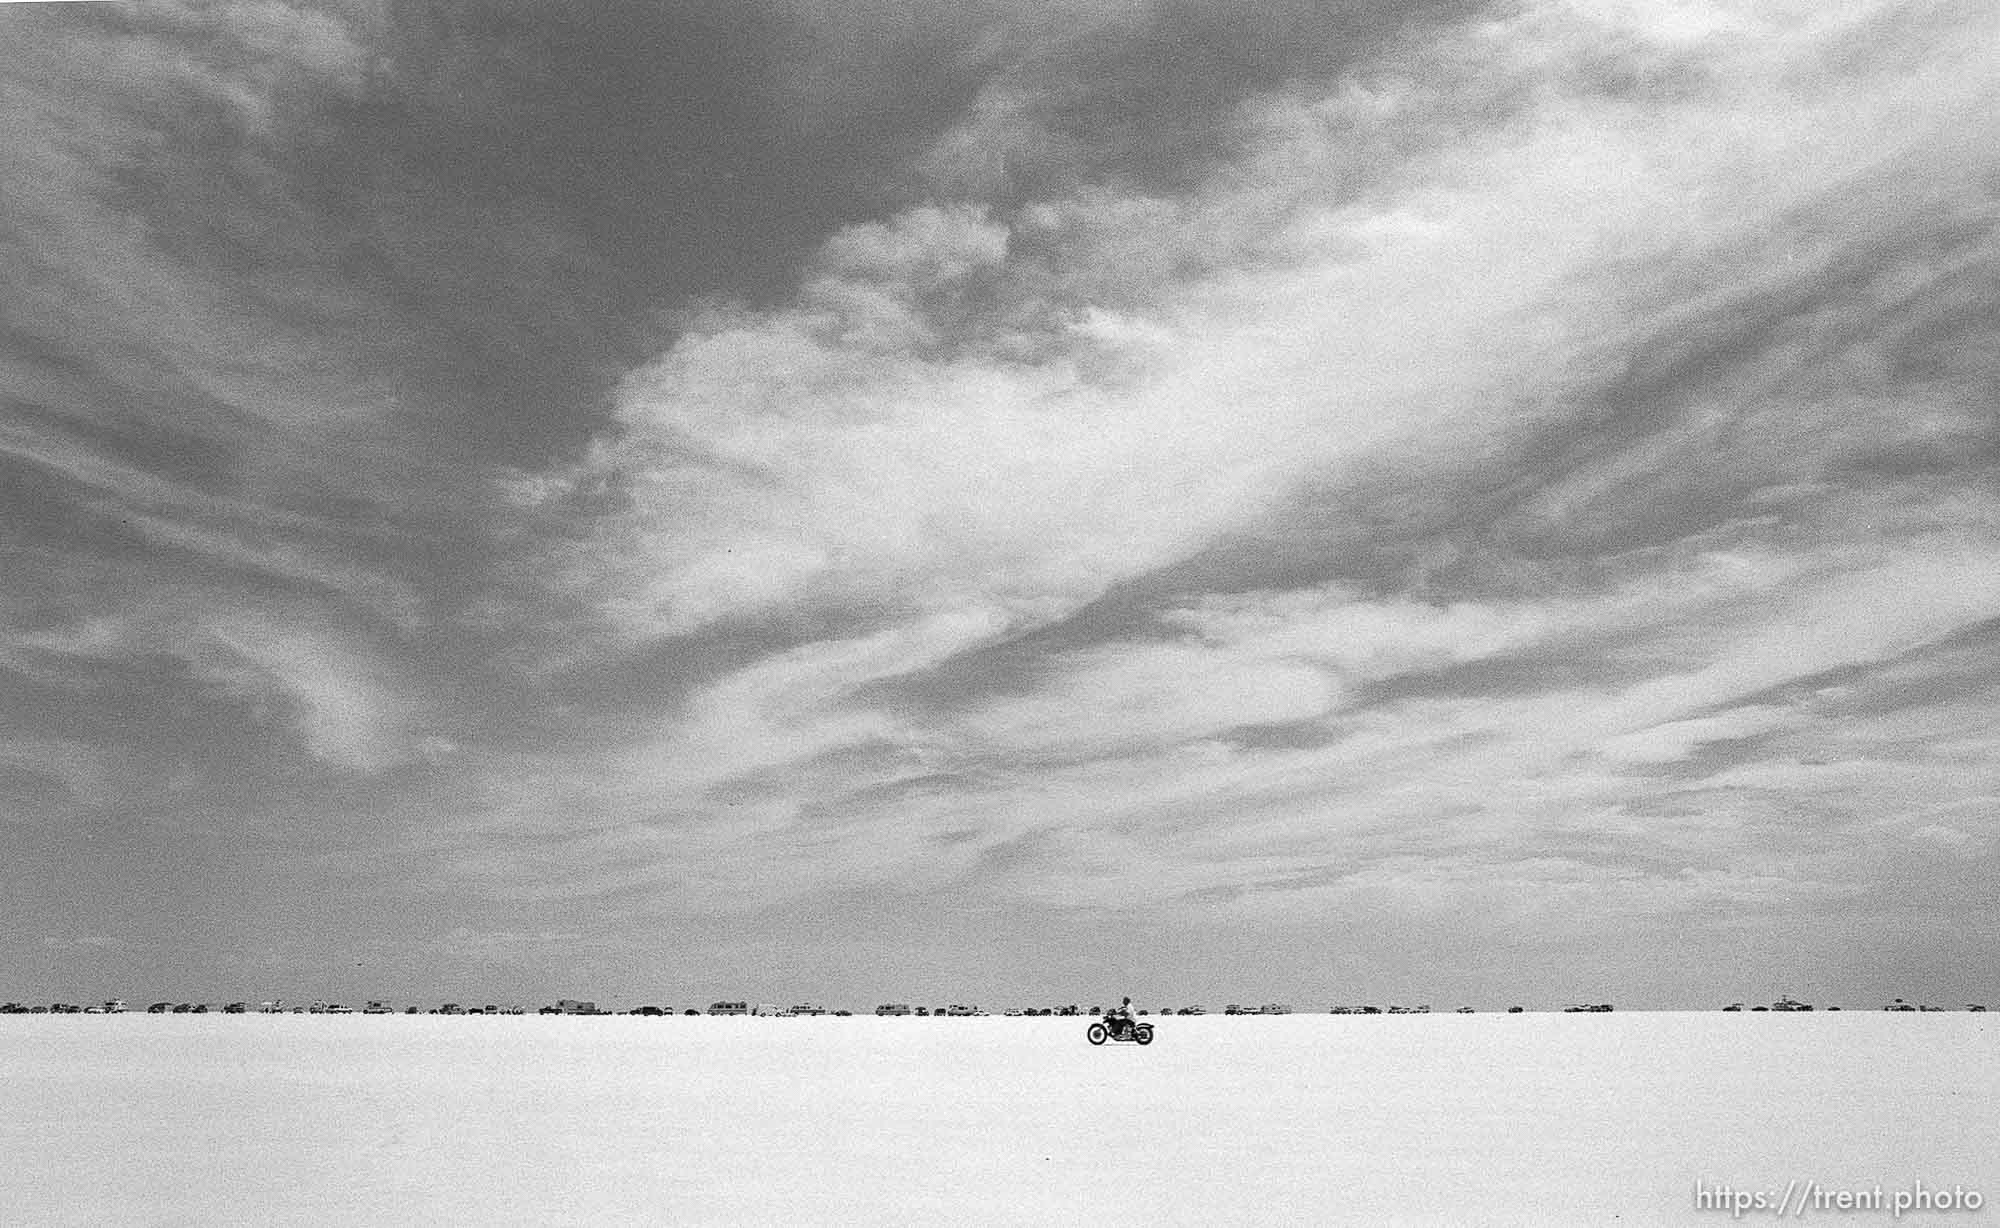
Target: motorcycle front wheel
(1144, 1036)
(1097, 1034)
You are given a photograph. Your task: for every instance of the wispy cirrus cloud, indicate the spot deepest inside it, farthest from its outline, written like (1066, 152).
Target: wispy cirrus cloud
(1488, 472)
(1569, 359)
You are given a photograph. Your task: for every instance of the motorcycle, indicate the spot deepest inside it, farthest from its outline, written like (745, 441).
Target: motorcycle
(1120, 1029)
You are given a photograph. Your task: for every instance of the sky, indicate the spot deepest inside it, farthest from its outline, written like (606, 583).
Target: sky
(1000, 502)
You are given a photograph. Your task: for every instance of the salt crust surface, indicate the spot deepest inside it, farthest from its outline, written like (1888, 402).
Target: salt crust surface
(1491, 1119)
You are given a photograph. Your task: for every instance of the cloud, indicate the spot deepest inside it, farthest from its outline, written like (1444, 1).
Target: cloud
(274, 665)
(1606, 265)
(1952, 840)
(40, 775)
(1138, 697)
(1268, 464)
(1443, 309)
(1569, 893)
(346, 705)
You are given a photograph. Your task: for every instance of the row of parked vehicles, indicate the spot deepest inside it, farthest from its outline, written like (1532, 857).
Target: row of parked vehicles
(1792, 1004)
(568, 1006)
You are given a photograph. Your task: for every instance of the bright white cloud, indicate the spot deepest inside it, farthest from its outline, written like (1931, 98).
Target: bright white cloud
(874, 444)
(969, 425)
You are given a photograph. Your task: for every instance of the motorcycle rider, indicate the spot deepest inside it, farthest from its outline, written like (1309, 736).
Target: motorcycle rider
(1119, 1018)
